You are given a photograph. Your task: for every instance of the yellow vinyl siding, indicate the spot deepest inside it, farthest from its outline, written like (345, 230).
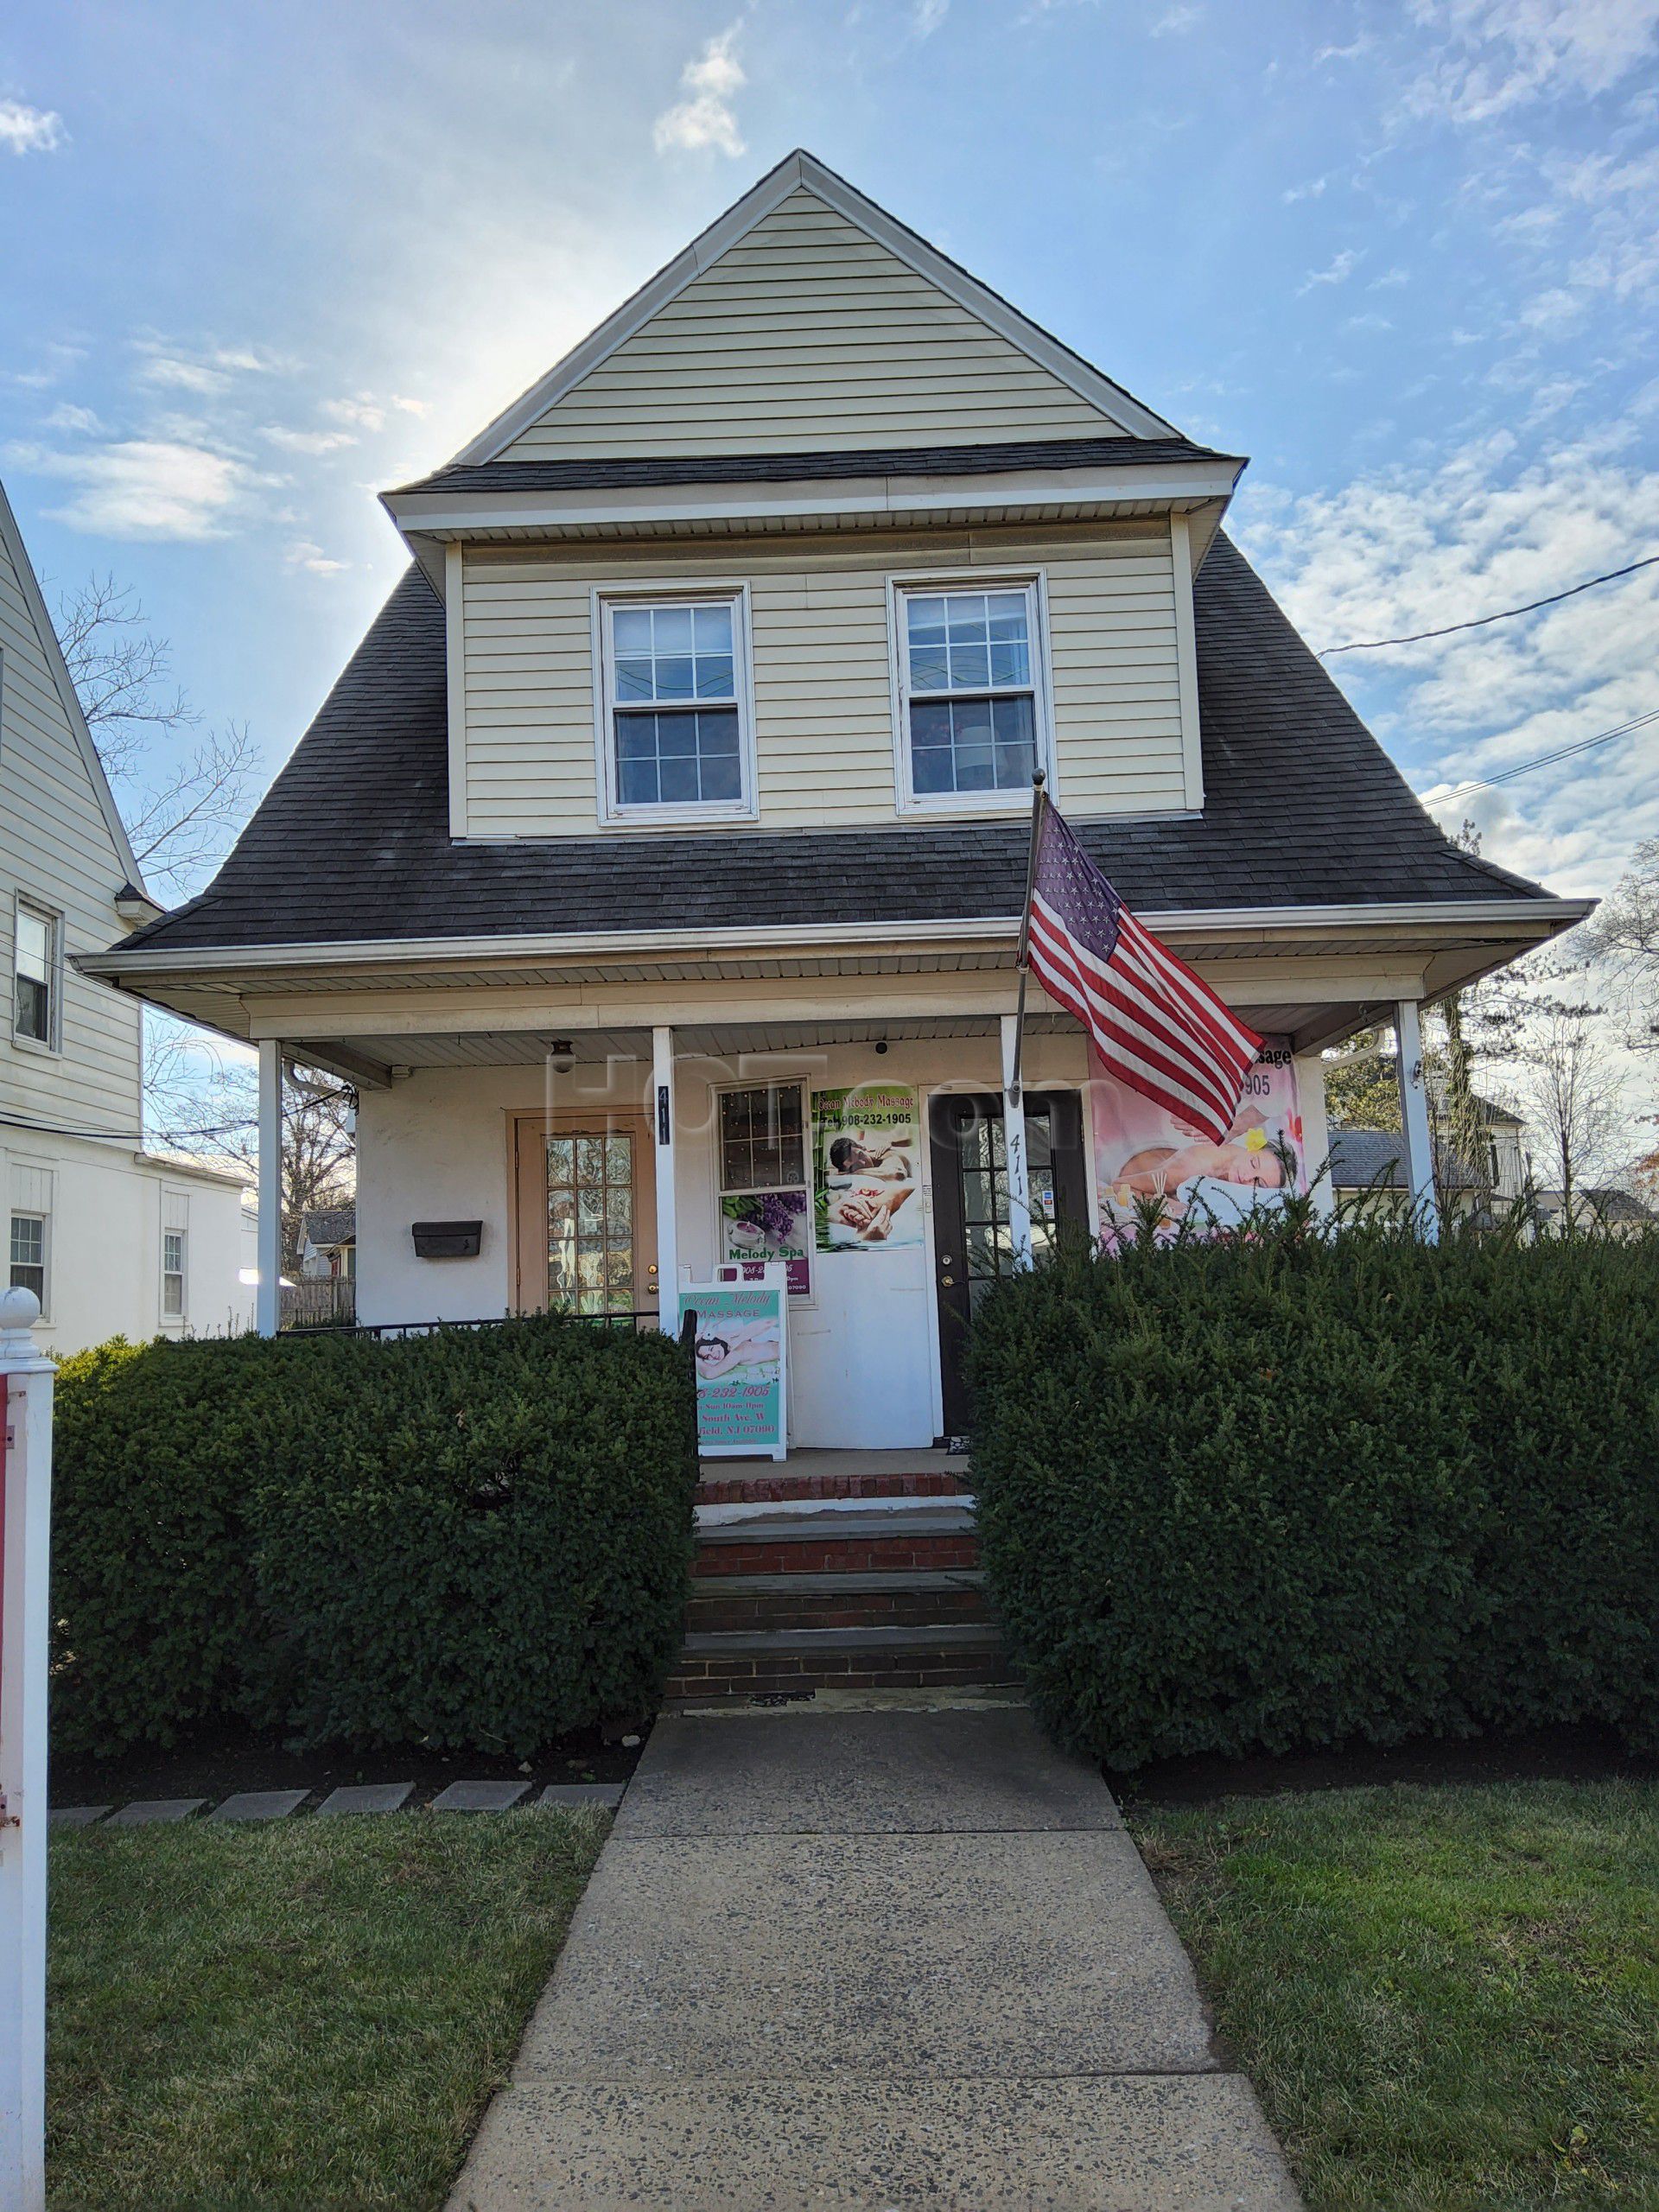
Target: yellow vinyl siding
(808, 335)
(56, 850)
(821, 668)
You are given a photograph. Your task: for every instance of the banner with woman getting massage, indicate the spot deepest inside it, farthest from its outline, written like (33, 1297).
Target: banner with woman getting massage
(1142, 1153)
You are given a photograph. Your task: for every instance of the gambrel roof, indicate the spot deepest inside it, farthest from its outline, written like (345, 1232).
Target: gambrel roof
(1302, 807)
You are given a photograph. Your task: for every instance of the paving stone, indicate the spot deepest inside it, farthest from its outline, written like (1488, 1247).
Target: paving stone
(145, 1811)
(860, 1773)
(260, 1805)
(366, 1797)
(74, 1816)
(479, 1797)
(606, 1795)
(771, 1957)
(1145, 2143)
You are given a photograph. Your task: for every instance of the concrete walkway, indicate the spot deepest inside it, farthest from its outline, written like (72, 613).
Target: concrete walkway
(870, 1959)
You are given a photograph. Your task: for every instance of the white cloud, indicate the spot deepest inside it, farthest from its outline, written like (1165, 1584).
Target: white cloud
(1177, 22)
(1410, 549)
(25, 129)
(66, 416)
(706, 117)
(292, 441)
(1499, 55)
(204, 371)
(926, 15)
(302, 554)
(148, 488)
(1337, 272)
(1315, 189)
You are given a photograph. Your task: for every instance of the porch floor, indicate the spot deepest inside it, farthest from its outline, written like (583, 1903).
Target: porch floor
(810, 1465)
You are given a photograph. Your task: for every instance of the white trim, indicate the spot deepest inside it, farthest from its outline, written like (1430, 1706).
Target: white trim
(704, 813)
(1008, 799)
(1128, 483)
(454, 657)
(663, 1090)
(1186, 663)
(1556, 913)
(803, 171)
(46, 636)
(24, 902)
(267, 1297)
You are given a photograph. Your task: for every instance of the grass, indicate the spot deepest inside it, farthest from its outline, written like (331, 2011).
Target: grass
(310, 2015)
(1446, 1997)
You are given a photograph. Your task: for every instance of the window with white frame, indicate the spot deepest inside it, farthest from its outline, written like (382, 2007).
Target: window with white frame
(37, 964)
(28, 1254)
(172, 1275)
(766, 1203)
(676, 737)
(970, 700)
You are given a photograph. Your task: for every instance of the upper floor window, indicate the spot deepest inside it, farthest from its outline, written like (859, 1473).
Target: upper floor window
(678, 740)
(972, 710)
(37, 964)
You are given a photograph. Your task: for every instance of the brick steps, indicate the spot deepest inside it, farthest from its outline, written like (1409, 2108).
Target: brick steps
(873, 1595)
(754, 1489)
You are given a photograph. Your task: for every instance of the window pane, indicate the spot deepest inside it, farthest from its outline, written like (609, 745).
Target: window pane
(34, 945)
(966, 640)
(711, 629)
(676, 735)
(721, 780)
(926, 619)
(631, 629)
(635, 783)
(714, 676)
(679, 780)
(971, 745)
(671, 629)
(674, 675)
(34, 1010)
(633, 679)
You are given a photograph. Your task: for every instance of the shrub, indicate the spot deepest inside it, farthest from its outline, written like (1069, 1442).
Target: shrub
(1287, 1489)
(475, 1539)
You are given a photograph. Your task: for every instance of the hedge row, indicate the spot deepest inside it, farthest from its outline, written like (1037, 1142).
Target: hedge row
(478, 1539)
(1284, 1490)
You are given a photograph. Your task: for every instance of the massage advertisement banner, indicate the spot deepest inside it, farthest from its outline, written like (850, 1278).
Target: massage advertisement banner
(740, 1355)
(1142, 1152)
(771, 1225)
(866, 1164)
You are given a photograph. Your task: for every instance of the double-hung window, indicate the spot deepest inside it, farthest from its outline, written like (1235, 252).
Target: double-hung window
(38, 967)
(28, 1254)
(971, 709)
(766, 1204)
(675, 739)
(172, 1275)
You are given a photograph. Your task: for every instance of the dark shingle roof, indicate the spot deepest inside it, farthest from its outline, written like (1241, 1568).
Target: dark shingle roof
(325, 1225)
(802, 467)
(1302, 807)
(1363, 1159)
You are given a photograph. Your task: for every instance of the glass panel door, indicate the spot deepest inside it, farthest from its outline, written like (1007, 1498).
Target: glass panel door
(590, 1222)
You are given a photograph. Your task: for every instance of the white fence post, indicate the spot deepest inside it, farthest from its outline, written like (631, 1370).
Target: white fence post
(26, 1377)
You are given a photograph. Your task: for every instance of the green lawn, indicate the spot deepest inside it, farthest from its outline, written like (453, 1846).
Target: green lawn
(306, 2016)
(1446, 1997)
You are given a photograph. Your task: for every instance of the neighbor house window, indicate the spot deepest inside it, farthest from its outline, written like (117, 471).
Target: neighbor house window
(675, 735)
(969, 695)
(766, 1207)
(172, 1275)
(28, 1254)
(37, 962)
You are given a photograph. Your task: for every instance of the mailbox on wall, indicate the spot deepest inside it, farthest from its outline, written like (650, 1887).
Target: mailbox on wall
(447, 1240)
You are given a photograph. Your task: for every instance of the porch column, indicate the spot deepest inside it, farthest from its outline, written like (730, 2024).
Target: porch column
(1414, 1117)
(1013, 1141)
(268, 1305)
(668, 1242)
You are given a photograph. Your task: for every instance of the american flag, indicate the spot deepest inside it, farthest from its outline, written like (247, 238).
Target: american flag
(1156, 1025)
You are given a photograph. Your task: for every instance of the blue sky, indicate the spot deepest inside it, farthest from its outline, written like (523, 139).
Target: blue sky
(263, 261)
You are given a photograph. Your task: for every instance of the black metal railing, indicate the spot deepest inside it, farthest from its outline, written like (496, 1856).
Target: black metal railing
(641, 1318)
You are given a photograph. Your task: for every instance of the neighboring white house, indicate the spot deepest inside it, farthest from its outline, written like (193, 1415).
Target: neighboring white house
(113, 1240)
(655, 868)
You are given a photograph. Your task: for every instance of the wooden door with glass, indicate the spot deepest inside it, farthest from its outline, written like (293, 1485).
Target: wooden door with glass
(584, 1212)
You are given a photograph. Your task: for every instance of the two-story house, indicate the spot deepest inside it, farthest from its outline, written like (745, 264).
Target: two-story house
(111, 1240)
(665, 841)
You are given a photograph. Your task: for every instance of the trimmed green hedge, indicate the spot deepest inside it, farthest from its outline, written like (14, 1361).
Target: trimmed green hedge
(477, 1539)
(1289, 1490)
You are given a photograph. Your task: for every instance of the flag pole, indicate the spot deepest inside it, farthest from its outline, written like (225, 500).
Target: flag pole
(1022, 959)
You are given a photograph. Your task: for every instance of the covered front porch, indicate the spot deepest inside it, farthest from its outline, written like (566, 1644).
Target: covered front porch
(600, 1126)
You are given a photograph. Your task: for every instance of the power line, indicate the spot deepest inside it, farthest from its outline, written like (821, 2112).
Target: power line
(1416, 637)
(1546, 760)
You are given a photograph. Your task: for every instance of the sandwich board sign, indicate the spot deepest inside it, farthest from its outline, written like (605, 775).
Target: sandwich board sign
(741, 1349)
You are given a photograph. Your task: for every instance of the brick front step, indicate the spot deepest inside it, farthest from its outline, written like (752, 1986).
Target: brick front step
(820, 1554)
(904, 1598)
(768, 1490)
(703, 1678)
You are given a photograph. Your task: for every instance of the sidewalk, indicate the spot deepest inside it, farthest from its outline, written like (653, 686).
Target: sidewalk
(870, 1959)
